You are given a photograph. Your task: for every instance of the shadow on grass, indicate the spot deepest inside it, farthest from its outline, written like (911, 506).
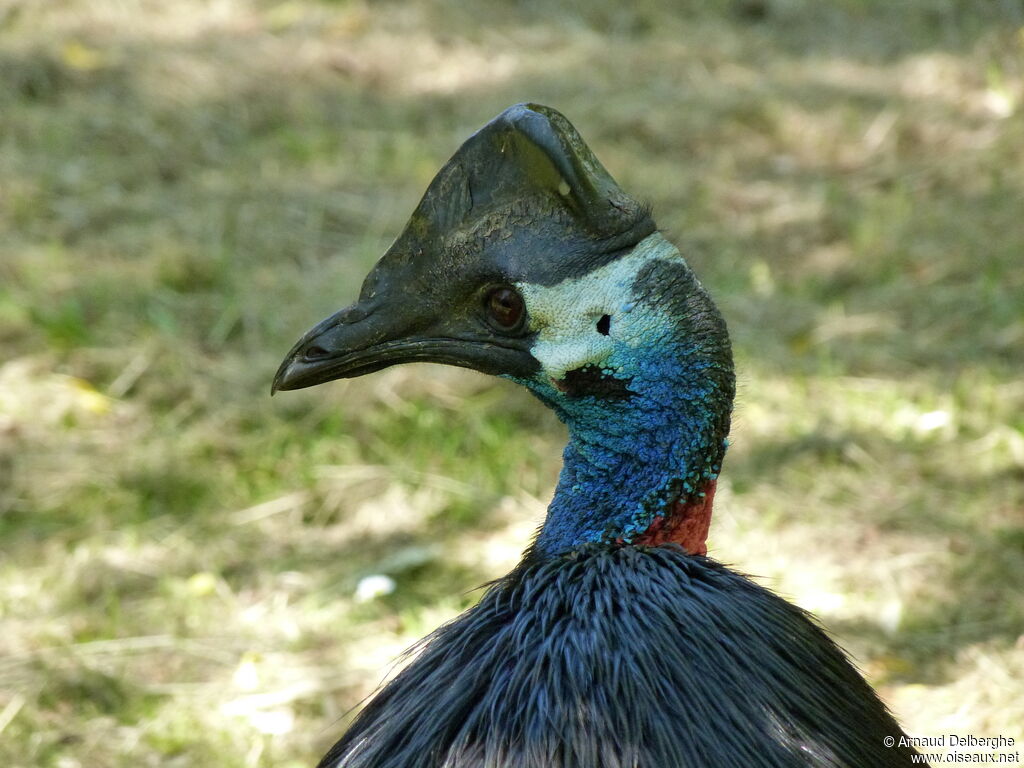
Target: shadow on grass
(969, 519)
(977, 605)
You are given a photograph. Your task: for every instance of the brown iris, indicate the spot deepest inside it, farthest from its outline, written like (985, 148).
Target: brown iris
(505, 308)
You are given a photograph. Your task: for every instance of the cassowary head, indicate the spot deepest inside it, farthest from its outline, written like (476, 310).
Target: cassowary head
(525, 259)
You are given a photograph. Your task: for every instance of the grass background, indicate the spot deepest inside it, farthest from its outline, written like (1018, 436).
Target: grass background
(186, 187)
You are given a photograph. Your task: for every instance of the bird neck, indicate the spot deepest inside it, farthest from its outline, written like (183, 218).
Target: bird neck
(648, 425)
(646, 479)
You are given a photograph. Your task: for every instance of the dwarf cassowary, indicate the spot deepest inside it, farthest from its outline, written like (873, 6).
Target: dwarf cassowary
(615, 643)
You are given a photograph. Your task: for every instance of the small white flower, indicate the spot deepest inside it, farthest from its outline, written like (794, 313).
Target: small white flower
(374, 586)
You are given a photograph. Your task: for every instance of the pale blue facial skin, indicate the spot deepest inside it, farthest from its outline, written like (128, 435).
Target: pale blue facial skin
(630, 458)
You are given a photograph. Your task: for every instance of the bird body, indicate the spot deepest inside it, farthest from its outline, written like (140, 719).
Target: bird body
(614, 657)
(616, 642)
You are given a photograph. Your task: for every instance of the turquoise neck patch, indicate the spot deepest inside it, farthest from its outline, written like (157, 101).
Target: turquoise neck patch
(636, 361)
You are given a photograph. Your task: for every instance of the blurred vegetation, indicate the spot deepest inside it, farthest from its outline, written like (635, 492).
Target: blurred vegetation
(185, 187)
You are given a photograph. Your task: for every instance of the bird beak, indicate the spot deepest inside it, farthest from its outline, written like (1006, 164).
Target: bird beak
(348, 343)
(384, 331)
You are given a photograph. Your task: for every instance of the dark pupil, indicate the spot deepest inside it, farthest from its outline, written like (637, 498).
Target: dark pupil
(505, 307)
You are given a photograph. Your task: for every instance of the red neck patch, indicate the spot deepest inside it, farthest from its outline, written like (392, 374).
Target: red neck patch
(686, 525)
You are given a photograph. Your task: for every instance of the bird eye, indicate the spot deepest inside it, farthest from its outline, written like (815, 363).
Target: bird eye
(505, 308)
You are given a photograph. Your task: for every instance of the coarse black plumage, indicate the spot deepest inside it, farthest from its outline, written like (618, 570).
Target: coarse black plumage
(616, 643)
(611, 657)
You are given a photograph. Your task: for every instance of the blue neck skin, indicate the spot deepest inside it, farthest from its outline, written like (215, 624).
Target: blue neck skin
(630, 459)
(628, 462)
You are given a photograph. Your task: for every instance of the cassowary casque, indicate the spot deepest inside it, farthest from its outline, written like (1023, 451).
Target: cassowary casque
(615, 643)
